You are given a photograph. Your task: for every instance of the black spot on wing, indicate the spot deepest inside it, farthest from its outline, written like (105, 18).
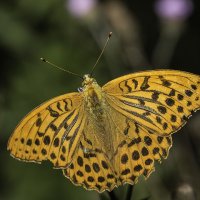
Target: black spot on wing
(96, 167)
(52, 112)
(125, 172)
(155, 95)
(172, 93)
(46, 140)
(165, 83)
(135, 83)
(135, 155)
(189, 93)
(29, 142)
(162, 109)
(38, 122)
(56, 142)
(180, 97)
(80, 161)
(87, 168)
(37, 142)
(145, 151)
(145, 84)
(170, 102)
(138, 168)
(59, 106)
(194, 87)
(124, 158)
(127, 86)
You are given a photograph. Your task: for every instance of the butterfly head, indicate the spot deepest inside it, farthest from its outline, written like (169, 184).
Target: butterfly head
(87, 80)
(92, 92)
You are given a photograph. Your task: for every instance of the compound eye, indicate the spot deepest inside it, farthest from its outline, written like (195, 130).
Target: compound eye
(80, 89)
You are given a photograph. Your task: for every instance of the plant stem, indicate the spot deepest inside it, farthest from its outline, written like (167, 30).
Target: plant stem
(129, 192)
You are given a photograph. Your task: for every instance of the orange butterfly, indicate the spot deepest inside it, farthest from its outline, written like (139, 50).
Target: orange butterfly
(103, 137)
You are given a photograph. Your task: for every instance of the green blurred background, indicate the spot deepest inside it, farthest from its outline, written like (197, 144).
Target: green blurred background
(146, 35)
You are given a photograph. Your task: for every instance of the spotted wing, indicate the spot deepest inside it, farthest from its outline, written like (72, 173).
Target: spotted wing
(91, 166)
(136, 148)
(161, 100)
(91, 170)
(51, 131)
(146, 108)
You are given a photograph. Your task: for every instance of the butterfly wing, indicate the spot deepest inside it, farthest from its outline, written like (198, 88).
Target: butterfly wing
(136, 148)
(92, 170)
(91, 166)
(160, 99)
(146, 108)
(51, 131)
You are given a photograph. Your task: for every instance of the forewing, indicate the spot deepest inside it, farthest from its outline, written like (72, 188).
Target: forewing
(159, 100)
(51, 131)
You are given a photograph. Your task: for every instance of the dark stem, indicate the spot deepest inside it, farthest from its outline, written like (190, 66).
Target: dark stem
(112, 195)
(129, 192)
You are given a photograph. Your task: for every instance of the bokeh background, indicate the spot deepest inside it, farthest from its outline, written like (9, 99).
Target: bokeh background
(147, 34)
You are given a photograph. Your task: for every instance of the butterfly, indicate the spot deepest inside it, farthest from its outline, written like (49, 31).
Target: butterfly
(104, 137)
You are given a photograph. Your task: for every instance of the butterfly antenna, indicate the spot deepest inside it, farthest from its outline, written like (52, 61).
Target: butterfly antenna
(105, 45)
(67, 71)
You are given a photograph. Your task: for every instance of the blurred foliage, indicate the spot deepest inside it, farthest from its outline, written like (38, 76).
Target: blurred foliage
(33, 29)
